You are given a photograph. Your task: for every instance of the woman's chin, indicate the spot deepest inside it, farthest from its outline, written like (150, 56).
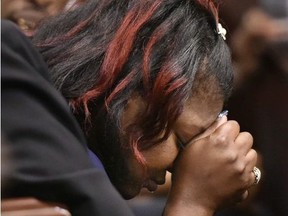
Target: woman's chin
(129, 193)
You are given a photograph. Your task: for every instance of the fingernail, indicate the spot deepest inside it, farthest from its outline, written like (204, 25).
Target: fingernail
(223, 113)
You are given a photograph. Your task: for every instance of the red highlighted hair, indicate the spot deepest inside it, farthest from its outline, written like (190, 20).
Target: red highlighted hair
(106, 50)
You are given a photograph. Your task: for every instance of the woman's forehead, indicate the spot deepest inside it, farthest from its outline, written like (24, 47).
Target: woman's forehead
(199, 114)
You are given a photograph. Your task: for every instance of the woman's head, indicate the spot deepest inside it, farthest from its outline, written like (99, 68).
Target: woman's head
(107, 56)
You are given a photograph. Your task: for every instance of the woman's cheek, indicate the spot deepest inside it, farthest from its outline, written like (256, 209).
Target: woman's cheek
(163, 155)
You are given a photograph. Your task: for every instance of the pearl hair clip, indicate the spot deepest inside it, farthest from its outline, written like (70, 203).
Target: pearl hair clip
(221, 31)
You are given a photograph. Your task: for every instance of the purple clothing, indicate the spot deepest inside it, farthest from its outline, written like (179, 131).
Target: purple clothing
(95, 160)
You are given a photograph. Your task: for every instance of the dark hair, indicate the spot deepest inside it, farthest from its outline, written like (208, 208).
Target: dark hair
(105, 50)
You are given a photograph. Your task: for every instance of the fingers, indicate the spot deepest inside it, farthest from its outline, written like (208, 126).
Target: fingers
(241, 144)
(219, 122)
(244, 142)
(245, 168)
(230, 130)
(244, 195)
(224, 153)
(251, 158)
(212, 128)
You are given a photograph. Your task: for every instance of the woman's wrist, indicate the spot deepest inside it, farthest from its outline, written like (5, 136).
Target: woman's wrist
(176, 207)
(184, 210)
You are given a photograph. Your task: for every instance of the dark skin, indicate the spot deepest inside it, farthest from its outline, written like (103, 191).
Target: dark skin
(212, 185)
(213, 170)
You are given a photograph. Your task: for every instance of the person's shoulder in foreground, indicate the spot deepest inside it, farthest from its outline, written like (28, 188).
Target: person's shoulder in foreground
(47, 149)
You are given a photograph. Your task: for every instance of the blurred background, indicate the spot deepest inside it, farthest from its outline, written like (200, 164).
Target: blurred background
(258, 38)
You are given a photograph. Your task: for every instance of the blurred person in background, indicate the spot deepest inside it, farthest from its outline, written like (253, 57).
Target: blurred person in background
(260, 99)
(232, 12)
(257, 34)
(28, 14)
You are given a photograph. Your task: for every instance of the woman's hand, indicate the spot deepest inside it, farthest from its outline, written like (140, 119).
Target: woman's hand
(213, 170)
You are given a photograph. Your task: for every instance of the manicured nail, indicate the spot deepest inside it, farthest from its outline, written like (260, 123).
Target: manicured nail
(223, 113)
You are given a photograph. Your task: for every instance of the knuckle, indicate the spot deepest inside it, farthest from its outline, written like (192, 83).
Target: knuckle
(240, 168)
(253, 154)
(246, 180)
(232, 157)
(234, 124)
(221, 140)
(248, 137)
(245, 195)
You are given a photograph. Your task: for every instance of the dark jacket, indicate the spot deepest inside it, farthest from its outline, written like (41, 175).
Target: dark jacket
(47, 149)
